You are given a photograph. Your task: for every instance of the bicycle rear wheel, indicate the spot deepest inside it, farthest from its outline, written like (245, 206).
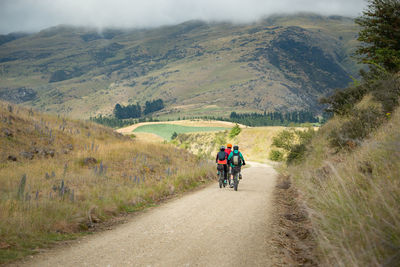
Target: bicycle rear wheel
(235, 182)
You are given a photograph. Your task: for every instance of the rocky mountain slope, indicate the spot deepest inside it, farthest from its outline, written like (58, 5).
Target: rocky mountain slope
(280, 63)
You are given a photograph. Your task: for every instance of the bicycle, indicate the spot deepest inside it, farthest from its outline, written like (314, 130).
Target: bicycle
(236, 179)
(221, 175)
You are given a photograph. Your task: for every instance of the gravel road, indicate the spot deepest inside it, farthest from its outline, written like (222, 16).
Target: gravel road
(209, 227)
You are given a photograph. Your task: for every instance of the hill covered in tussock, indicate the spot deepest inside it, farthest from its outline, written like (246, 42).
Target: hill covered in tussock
(280, 63)
(349, 175)
(59, 177)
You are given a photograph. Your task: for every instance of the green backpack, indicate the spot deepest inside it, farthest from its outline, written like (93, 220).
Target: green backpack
(236, 158)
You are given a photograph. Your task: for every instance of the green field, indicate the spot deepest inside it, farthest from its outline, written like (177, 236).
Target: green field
(166, 130)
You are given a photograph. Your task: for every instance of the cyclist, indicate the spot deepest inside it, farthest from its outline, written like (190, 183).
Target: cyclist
(222, 159)
(228, 151)
(236, 161)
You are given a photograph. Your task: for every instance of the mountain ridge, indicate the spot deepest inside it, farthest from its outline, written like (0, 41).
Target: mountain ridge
(197, 68)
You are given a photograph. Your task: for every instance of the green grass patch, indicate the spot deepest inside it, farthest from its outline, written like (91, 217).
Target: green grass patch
(167, 130)
(30, 246)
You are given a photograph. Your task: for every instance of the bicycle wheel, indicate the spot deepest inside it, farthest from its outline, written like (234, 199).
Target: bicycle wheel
(221, 181)
(235, 182)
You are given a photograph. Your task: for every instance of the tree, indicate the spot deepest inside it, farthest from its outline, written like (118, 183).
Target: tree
(127, 112)
(118, 111)
(174, 135)
(380, 34)
(152, 106)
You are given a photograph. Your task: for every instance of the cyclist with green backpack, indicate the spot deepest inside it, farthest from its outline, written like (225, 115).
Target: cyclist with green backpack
(236, 160)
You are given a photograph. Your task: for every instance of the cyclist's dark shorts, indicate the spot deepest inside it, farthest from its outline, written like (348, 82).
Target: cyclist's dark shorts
(236, 169)
(221, 167)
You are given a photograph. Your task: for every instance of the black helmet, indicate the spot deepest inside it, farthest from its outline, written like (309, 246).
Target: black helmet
(222, 148)
(235, 147)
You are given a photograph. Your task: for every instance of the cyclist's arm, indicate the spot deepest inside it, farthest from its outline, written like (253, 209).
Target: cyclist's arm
(241, 156)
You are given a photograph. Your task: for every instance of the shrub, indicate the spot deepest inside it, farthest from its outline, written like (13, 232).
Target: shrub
(383, 86)
(276, 155)
(235, 131)
(387, 92)
(296, 153)
(305, 137)
(294, 142)
(362, 108)
(284, 140)
(359, 126)
(174, 135)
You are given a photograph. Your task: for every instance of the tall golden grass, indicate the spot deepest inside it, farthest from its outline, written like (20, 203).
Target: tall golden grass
(66, 193)
(354, 198)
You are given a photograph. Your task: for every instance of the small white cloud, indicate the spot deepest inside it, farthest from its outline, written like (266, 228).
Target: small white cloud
(34, 15)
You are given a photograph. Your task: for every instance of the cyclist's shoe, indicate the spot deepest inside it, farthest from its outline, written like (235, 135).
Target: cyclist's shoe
(231, 185)
(240, 176)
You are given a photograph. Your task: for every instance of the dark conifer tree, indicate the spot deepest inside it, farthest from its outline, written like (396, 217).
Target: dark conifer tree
(380, 34)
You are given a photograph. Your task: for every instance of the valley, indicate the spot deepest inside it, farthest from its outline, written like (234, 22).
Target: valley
(312, 101)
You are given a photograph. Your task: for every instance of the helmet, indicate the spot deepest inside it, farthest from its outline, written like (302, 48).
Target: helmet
(222, 148)
(229, 145)
(236, 147)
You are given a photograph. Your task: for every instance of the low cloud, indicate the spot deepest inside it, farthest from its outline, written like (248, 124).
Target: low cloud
(34, 15)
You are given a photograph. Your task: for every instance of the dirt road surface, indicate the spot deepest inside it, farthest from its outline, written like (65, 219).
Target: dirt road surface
(209, 227)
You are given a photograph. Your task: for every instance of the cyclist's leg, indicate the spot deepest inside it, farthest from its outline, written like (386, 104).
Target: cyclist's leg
(229, 173)
(232, 178)
(225, 171)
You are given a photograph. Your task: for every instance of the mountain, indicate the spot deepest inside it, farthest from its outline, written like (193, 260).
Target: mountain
(280, 63)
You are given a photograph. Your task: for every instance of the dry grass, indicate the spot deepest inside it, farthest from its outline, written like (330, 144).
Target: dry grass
(354, 198)
(63, 194)
(254, 142)
(148, 138)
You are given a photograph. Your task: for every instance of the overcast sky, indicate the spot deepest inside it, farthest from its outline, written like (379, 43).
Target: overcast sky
(34, 15)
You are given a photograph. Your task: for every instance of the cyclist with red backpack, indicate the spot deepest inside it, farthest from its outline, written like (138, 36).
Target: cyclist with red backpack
(222, 160)
(236, 161)
(228, 151)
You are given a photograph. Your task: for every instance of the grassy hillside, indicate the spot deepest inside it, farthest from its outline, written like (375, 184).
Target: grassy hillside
(349, 180)
(280, 63)
(59, 177)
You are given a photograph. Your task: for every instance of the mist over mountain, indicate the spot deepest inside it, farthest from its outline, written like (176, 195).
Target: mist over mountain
(281, 63)
(32, 16)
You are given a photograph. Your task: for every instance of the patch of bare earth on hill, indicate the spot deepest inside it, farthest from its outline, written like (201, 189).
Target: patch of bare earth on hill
(291, 228)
